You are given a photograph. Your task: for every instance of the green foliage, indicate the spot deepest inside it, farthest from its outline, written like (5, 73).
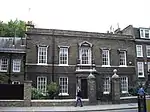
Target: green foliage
(3, 78)
(36, 94)
(52, 90)
(12, 28)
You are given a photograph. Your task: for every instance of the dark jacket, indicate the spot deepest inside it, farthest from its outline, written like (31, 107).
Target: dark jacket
(79, 94)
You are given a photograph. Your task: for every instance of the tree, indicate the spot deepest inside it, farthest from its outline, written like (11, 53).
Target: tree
(12, 28)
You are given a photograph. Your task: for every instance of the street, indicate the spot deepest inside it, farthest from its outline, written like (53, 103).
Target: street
(125, 110)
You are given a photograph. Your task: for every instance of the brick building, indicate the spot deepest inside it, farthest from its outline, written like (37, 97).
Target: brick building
(12, 59)
(68, 57)
(142, 45)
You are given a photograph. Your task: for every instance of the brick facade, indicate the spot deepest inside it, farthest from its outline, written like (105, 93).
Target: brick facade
(77, 73)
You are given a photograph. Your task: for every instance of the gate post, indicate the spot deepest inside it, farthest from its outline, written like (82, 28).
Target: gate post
(115, 88)
(27, 93)
(92, 89)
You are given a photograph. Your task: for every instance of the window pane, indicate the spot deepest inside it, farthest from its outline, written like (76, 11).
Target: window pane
(85, 55)
(42, 54)
(105, 57)
(122, 58)
(42, 84)
(3, 64)
(63, 56)
(63, 84)
(16, 65)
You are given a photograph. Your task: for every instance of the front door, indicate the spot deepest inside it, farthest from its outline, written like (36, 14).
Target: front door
(84, 89)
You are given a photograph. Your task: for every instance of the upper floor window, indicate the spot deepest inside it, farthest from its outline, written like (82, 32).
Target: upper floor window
(140, 67)
(144, 33)
(63, 56)
(3, 64)
(139, 51)
(124, 84)
(42, 54)
(42, 84)
(148, 51)
(106, 85)
(148, 65)
(85, 53)
(105, 57)
(122, 58)
(16, 65)
(63, 83)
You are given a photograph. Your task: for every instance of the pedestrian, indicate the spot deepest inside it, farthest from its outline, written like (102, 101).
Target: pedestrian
(141, 92)
(79, 96)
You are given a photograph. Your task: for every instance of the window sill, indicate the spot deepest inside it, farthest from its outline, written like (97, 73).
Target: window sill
(122, 65)
(42, 64)
(141, 76)
(139, 56)
(106, 92)
(124, 92)
(106, 66)
(63, 65)
(16, 71)
(3, 70)
(63, 94)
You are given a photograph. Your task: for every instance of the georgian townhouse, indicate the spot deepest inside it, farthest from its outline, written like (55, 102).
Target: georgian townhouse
(12, 57)
(68, 57)
(142, 45)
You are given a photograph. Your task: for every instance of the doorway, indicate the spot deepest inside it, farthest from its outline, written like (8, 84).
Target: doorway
(84, 88)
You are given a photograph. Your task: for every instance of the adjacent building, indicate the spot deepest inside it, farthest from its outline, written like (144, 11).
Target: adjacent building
(142, 45)
(12, 59)
(68, 57)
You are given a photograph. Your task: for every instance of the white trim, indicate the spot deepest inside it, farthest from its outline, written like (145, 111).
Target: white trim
(106, 66)
(40, 46)
(125, 58)
(1, 65)
(63, 94)
(37, 80)
(140, 50)
(106, 92)
(107, 51)
(15, 82)
(142, 68)
(80, 44)
(18, 61)
(126, 80)
(147, 49)
(63, 48)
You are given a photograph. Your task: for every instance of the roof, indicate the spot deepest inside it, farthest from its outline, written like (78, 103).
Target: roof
(12, 44)
(58, 32)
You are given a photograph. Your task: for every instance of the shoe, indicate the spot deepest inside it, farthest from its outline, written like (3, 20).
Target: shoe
(81, 106)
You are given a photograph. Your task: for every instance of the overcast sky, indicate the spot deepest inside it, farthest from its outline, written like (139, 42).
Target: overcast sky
(81, 15)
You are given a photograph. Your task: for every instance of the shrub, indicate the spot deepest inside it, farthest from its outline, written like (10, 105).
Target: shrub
(36, 94)
(52, 90)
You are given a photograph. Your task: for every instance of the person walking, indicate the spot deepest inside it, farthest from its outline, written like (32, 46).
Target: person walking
(79, 96)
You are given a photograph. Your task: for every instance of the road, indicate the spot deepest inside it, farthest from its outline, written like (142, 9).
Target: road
(126, 110)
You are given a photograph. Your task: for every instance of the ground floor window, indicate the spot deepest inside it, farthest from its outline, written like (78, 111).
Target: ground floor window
(15, 82)
(63, 84)
(42, 84)
(124, 84)
(106, 85)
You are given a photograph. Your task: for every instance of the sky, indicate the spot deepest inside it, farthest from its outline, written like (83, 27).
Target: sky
(79, 15)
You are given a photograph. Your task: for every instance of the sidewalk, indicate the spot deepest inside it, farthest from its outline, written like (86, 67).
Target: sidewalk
(71, 108)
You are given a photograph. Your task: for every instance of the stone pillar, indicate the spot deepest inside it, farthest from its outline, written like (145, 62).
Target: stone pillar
(92, 89)
(27, 93)
(115, 88)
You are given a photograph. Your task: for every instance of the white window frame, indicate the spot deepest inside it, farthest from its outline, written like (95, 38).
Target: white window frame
(42, 82)
(140, 68)
(45, 56)
(148, 50)
(62, 52)
(107, 58)
(148, 66)
(6, 64)
(88, 53)
(106, 85)
(139, 50)
(63, 88)
(16, 65)
(125, 58)
(124, 84)
(143, 33)
(15, 82)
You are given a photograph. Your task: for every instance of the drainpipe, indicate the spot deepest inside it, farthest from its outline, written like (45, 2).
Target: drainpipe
(10, 59)
(53, 55)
